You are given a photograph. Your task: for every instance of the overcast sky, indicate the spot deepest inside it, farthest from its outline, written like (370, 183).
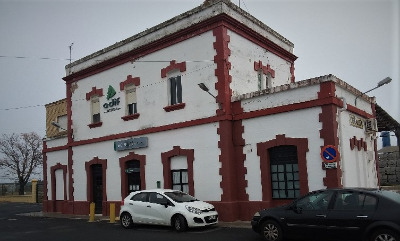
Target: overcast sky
(355, 40)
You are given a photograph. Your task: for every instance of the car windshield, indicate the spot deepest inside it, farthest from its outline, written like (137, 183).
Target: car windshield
(180, 197)
(395, 196)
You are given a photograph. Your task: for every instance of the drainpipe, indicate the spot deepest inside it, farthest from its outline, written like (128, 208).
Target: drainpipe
(341, 137)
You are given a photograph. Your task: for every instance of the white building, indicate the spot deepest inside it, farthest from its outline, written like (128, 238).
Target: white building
(135, 118)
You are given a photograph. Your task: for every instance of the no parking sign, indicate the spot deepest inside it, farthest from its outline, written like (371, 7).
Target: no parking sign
(329, 154)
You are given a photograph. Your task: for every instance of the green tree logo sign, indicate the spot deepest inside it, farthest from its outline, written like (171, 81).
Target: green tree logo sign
(110, 92)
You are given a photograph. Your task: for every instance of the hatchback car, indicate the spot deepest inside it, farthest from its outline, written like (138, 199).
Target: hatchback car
(334, 214)
(166, 207)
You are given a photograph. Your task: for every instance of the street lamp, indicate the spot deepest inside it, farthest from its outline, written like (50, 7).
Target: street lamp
(57, 125)
(386, 80)
(205, 88)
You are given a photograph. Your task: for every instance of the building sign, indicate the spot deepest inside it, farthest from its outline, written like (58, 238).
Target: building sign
(114, 102)
(331, 165)
(356, 121)
(133, 143)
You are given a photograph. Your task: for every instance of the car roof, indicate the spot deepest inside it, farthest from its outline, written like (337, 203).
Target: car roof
(160, 190)
(365, 189)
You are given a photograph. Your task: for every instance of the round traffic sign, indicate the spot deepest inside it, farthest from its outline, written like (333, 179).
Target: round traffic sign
(329, 153)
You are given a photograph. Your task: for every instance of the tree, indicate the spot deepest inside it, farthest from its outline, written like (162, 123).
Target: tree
(21, 155)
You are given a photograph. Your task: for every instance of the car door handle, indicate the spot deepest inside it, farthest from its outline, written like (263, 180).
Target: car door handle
(320, 216)
(148, 206)
(362, 216)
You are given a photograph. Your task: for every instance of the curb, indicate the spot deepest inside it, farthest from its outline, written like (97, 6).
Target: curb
(236, 224)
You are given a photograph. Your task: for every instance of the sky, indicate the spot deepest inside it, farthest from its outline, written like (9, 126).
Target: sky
(355, 40)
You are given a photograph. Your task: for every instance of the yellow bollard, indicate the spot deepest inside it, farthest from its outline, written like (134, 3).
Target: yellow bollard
(92, 207)
(112, 212)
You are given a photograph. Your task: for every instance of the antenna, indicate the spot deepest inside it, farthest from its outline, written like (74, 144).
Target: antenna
(70, 52)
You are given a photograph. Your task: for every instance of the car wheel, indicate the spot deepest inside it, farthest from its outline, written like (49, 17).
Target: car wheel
(126, 220)
(385, 235)
(179, 223)
(271, 231)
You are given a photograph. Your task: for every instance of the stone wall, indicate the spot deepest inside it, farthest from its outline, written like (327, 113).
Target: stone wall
(389, 165)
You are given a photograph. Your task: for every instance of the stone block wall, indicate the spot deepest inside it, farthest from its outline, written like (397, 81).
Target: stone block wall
(389, 166)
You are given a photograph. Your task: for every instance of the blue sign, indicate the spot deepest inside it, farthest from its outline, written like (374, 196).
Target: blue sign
(132, 143)
(329, 153)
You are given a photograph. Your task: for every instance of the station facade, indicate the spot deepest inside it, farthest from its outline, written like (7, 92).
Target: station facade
(135, 118)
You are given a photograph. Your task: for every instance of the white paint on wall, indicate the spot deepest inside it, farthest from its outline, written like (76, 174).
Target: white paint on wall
(206, 161)
(243, 55)
(53, 158)
(59, 176)
(152, 94)
(299, 124)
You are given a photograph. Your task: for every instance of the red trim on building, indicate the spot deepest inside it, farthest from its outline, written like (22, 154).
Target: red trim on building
(89, 177)
(130, 117)
(69, 208)
(58, 205)
(166, 161)
(292, 79)
(266, 69)
(95, 125)
(360, 144)
(194, 30)
(173, 65)
(129, 80)
(329, 132)
(224, 92)
(231, 142)
(174, 107)
(265, 167)
(45, 191)
(94, 92)
(132, 156)
(141, 132)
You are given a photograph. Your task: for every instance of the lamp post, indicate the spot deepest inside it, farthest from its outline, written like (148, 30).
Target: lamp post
(386, 80)
(57, 125)
(205, 88)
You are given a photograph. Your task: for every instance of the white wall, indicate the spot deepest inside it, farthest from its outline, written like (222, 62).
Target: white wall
(152, 94)
(243, 55)
(358, 166)
(266, 128)
(206, 164)
(52, 159)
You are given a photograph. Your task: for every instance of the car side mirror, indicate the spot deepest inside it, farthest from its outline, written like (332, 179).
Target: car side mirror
(164, 203)
(296, 209)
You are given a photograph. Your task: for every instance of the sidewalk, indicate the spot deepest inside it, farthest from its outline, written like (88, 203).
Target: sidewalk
(97, 218)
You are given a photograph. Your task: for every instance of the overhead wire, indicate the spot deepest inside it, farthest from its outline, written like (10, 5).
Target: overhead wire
(27, 57)
(138, 87)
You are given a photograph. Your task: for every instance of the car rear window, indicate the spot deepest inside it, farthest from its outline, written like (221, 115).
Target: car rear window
(395, 196)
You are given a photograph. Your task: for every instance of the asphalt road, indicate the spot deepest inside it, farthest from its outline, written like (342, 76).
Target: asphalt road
(16, 225)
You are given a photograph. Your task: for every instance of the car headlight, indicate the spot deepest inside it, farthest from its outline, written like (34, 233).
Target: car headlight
(257, 214)
(193, 210)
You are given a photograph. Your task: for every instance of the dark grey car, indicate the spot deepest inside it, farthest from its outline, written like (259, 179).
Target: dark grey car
(334, 214)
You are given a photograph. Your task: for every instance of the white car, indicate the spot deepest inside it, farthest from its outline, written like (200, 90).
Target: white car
(166, 207)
